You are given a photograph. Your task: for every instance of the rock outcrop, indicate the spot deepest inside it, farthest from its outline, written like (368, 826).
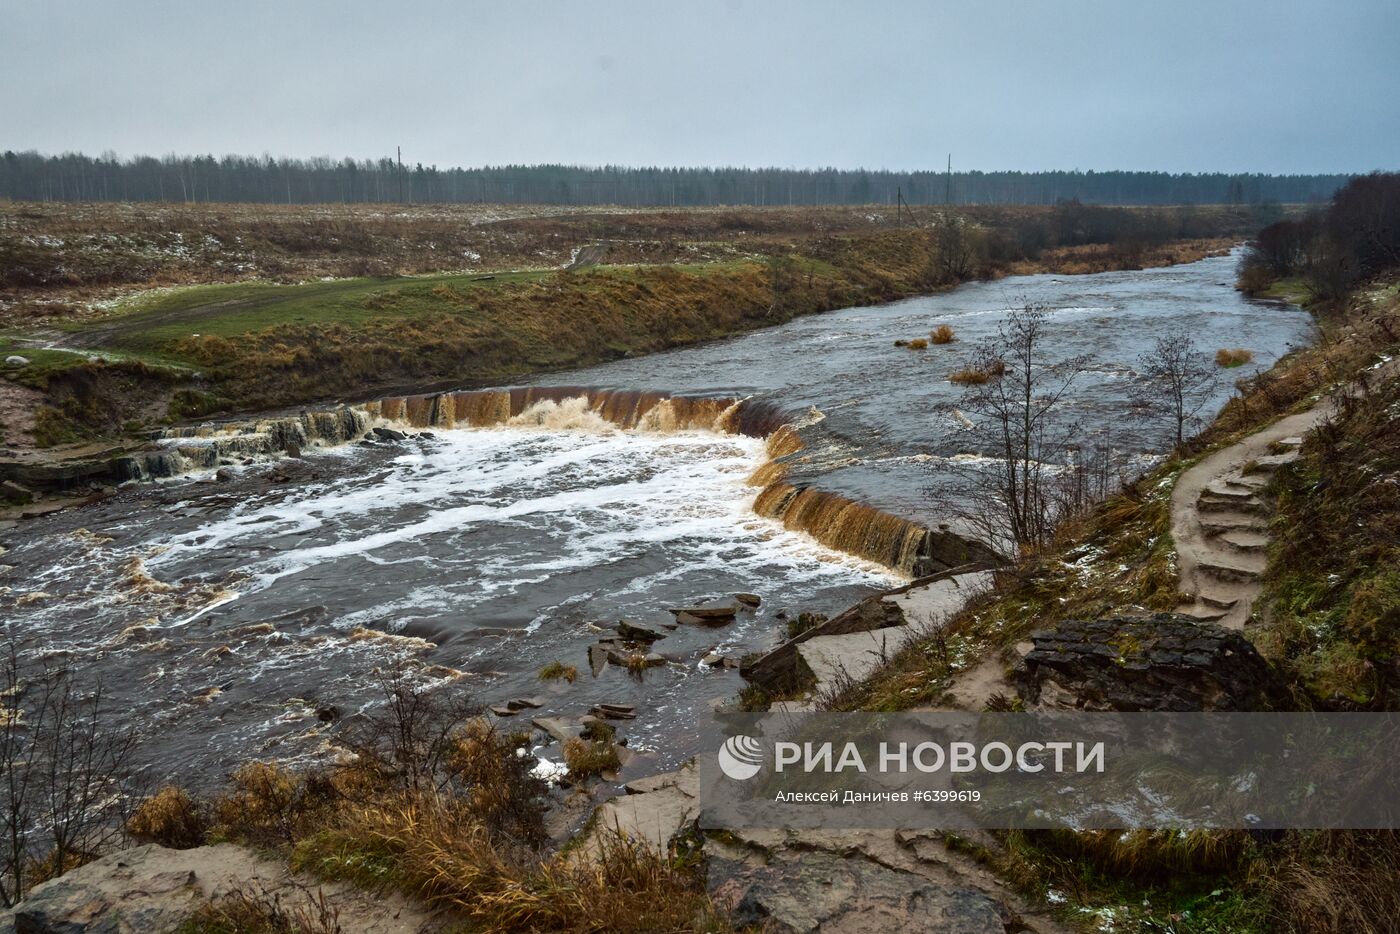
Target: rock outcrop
(1164, 663)
(152, 889)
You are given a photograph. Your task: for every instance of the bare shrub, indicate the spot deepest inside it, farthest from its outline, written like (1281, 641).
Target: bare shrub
(1176, 381)
(942, 334)
(1009, 495)
(917, 343)
(65, 775)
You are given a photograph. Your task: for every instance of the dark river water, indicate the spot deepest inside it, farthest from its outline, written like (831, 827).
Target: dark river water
(221, 616)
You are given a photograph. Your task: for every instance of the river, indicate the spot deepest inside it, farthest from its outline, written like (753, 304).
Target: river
(222, 616)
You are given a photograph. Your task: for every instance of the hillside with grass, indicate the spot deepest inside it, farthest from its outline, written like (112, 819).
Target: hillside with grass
(228, 309)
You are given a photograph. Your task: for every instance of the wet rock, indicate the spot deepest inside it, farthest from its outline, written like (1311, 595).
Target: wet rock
(1164, 662)
(525, 703)
(810, 891)
(328, 714)
(428, 435)
(653, 811)
(615, 711)
(502, 710)
(12, 492)
(705, 615)
(224, 475)
(293, 449)
(388, 434)
(561, 729)
(16, 360)
(598, 658)
(632, 632)
(751, 600)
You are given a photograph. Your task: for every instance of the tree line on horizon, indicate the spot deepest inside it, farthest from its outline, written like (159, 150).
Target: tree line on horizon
(32, 176)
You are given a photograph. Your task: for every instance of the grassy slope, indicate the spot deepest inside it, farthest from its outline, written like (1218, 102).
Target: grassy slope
(1331, 623)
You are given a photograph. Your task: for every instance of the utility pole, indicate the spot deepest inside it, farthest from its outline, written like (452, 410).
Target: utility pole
(399, 152)
(898, 206)
(948, 183)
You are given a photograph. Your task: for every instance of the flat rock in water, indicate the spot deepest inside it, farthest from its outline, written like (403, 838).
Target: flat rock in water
(633, 632)
(562, 729)
(597, 658)
(615, 712)
(525, 703)
(751, 600)
(502, 710)
(705, 615)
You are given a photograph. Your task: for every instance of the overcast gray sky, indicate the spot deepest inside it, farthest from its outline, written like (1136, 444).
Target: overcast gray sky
(1278, 86)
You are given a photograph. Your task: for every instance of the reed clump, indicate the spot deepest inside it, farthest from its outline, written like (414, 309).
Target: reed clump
(558, 671)
(942, 334)
(1233, 356)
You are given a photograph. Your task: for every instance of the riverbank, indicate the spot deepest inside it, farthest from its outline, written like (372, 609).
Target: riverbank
(109, 360)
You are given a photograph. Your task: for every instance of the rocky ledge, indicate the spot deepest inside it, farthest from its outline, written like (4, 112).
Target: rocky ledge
(1164, 662)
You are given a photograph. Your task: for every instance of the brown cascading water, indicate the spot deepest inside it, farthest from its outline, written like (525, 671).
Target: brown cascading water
(835, 521)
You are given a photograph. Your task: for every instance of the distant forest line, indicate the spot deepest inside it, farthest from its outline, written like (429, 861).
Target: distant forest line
(32, 176)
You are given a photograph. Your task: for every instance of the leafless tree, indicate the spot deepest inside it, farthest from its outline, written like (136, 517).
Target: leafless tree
(1176, 382)
(1009, 495)
(65, 774)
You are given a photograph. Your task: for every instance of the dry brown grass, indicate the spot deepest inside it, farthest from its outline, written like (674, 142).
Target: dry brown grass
(586, 758)
(942, 335)
(1233, 356)
(917, 343)
(171, 818)
(557, 671)
(969, 377)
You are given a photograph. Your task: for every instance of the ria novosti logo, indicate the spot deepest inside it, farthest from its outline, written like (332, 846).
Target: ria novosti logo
(741, 757)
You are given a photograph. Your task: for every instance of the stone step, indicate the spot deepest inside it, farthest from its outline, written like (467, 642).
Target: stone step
(1252, 482)
(1209, 502)
(1202, 612)
(1241, 569)
(1271, 462)
(1219, 603)
(1245, 540)
(1220, 522)
(1226, 488)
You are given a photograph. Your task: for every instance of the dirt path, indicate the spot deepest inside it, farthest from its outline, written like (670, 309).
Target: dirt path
(1220, 523)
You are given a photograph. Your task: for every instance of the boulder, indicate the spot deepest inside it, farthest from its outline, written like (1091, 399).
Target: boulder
(16, 360)
(1165, 662)
(224, 475)
(388, 434)
(750, 600)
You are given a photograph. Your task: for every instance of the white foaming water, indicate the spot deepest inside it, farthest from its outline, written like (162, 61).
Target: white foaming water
(489, 512)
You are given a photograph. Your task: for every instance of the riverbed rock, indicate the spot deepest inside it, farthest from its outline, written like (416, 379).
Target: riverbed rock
(705, 615)
(615, 711)
(561, 729)
(388, 434)
(750, 600)
(634, 632)
(597, 658)
(1165, 662)
(16, 360)
(225, 475)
